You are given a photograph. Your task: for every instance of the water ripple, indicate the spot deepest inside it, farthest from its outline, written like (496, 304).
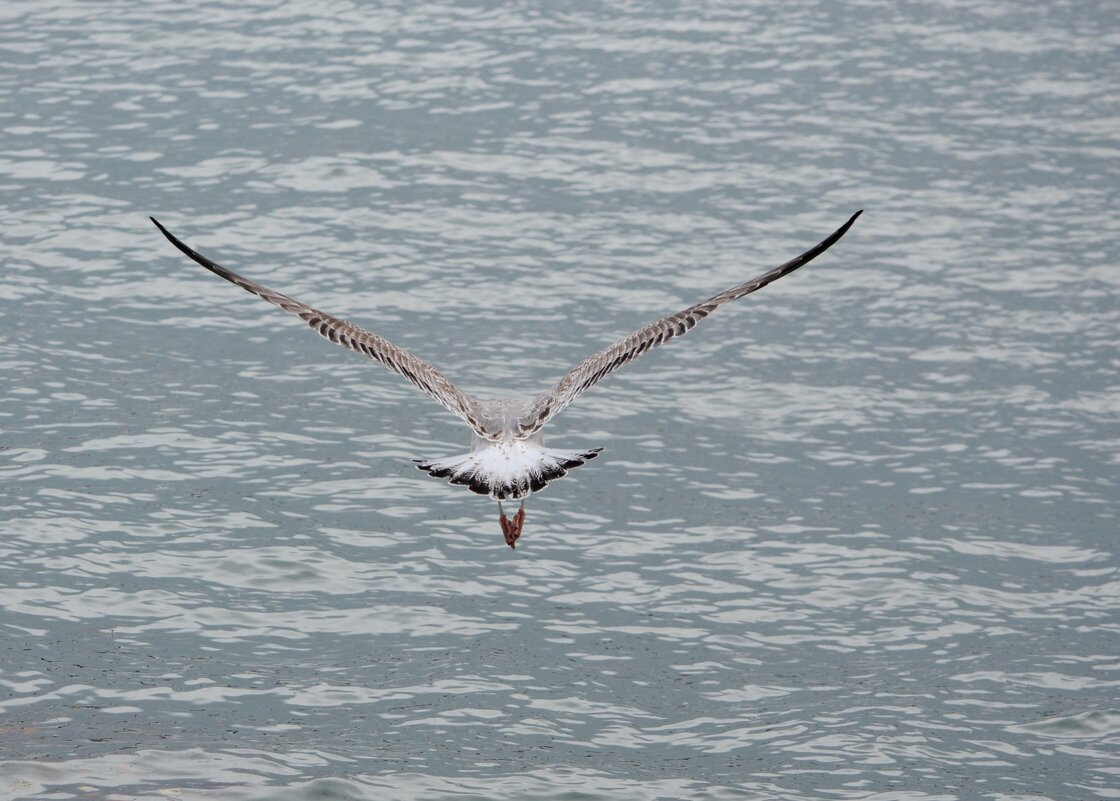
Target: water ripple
(856, 540)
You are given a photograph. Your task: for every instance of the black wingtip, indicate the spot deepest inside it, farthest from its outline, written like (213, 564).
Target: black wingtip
(162, 230)
(833, 238)
(189, 251)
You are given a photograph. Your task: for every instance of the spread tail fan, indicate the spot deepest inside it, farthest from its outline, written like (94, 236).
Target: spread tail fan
(507, 470)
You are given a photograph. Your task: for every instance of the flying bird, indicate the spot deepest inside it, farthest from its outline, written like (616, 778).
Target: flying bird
(508, 459)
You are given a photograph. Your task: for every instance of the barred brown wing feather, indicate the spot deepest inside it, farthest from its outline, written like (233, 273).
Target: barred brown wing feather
(599, 365)
(344, 333)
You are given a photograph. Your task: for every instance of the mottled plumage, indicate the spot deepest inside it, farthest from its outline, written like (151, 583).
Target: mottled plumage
(599, 365)
(508, 460)
(354, 337)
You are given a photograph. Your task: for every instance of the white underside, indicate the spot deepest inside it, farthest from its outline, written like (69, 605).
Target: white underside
(508, 470)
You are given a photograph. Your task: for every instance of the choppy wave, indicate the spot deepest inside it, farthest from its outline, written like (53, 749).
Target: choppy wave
(854, 539)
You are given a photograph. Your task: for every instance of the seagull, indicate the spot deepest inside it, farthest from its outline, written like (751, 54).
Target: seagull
(508, 459)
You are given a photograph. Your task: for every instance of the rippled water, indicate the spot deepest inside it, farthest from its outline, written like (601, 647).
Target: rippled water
(855, 538)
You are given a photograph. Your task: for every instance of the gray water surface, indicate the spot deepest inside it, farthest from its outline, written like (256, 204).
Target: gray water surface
(853, 538)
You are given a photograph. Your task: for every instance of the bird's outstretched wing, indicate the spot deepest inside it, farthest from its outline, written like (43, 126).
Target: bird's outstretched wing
(341, 332)
(601, 364)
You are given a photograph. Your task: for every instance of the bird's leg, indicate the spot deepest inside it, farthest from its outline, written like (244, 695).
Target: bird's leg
(506, 526)
(511, 527)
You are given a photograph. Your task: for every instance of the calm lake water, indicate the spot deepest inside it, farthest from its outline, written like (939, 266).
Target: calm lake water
(854, 538)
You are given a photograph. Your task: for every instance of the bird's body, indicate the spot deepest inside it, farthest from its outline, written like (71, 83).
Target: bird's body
(508, 459)
(507, 466)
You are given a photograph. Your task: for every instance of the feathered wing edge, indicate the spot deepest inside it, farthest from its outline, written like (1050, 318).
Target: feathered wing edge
(422, 374)
(599, 365)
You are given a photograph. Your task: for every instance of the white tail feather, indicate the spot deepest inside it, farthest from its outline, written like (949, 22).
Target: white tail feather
(508, 470)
